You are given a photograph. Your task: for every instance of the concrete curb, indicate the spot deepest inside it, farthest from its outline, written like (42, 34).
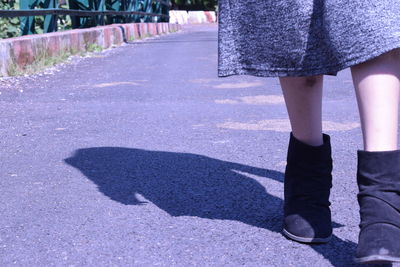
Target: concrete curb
(201, 17)
(192, 17)
(20, 52)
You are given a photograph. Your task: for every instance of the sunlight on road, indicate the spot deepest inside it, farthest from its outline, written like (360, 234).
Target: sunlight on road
(253, 100)
(283, 125)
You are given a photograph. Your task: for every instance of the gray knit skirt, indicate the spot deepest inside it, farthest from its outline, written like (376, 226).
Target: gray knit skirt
(303, 37)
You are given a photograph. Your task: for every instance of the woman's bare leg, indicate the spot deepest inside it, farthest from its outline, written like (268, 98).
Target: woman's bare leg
(377, 88)
(308, 179)
(303, 97)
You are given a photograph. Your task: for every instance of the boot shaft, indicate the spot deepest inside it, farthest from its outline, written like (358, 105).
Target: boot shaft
(378, 179)
(308, 171)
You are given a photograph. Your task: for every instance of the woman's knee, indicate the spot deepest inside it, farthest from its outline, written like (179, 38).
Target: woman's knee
(311, 81)
(387, 63)
(303, 82)
(392, 54)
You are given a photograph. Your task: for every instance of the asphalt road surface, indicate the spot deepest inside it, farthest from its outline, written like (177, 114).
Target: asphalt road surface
(141, 156)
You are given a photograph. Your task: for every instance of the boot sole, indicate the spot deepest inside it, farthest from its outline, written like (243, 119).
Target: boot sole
(377, 259)
(307, 240)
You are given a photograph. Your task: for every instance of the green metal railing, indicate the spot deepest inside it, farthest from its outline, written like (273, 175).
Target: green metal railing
(89, 13)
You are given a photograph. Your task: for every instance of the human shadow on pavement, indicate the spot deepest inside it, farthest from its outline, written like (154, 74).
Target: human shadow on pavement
(184, 184)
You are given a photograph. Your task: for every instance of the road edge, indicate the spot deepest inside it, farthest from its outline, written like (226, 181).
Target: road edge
(20, 53)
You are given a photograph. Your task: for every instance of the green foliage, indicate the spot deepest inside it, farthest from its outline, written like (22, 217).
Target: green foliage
(9, 27)
(64, 22)
(39, 24)
(42, 61)
(94, 48)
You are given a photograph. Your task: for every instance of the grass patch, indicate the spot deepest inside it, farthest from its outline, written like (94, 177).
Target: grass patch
(44, 60)
(146, 35)
(94, 48)
(14, 70)
(41, 62)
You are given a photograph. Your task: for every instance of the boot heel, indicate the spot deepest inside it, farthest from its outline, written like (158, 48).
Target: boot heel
(376, 242)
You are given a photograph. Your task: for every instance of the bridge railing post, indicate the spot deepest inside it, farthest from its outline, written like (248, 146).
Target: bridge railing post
(88, 13)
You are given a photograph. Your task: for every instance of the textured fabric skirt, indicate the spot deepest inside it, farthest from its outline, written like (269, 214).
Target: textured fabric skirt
(303, 37)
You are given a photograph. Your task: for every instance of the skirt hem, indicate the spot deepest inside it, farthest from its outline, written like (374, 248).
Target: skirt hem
(282, 72)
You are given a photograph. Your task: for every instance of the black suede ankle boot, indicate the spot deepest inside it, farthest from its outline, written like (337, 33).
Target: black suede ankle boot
(378, 179)
(308, 180)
